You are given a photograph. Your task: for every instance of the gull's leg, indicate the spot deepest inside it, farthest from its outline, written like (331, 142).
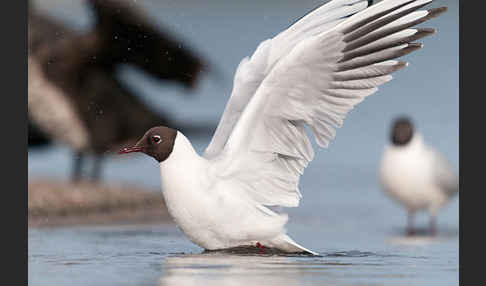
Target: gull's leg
(77, 166)
(410, 227)
(262, 249)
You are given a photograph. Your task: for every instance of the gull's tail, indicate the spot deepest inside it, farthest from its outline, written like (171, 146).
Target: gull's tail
(285, 243)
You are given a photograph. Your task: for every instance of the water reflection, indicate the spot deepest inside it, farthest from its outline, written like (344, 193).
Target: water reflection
(333, 268)
(423, 238)
(218, 269)
(417, 240)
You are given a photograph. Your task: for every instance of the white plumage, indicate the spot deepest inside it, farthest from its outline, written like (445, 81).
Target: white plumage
(311, 75)
(417, 177)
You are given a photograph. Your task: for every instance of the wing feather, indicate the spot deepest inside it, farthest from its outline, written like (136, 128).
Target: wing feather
(393, 40)
(445, 178)
(315, 85)
(370, 71)
(251, 71)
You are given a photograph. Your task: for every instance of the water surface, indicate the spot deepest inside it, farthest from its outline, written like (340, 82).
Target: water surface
(161, 255)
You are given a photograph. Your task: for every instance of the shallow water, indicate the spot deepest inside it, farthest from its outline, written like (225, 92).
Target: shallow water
(161, 255)
(343, 214)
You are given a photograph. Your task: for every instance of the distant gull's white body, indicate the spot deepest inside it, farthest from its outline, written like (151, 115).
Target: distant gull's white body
(415, 175)
(409, 175)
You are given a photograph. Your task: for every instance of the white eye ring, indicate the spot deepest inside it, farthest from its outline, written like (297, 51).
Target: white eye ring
(156, 139)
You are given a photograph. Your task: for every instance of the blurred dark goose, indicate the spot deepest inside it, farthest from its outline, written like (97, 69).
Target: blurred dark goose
(74, 96)
(415, 174)
(37, 138)
(308, 76)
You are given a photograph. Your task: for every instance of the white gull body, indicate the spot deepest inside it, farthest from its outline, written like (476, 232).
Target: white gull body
(417, 176)
(310, 75)
(213, 213)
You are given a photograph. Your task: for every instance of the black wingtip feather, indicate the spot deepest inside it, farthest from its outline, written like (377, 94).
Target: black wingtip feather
(434, 12)
(370, 2)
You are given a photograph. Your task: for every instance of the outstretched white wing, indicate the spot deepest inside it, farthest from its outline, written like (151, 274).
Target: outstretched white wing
(315, 85)
(251, 71)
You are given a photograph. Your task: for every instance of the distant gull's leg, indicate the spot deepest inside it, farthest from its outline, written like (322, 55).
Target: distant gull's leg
(77, 166)
(96, 173)
(432, 225)
(410, 228)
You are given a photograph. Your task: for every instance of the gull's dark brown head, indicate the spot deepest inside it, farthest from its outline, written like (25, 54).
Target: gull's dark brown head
(402, 131)
(158, 143)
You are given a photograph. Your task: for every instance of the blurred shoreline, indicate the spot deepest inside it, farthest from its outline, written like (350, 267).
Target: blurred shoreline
(58, 203)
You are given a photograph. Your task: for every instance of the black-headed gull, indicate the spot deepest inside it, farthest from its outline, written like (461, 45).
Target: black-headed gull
(416, 175)
(311, 75)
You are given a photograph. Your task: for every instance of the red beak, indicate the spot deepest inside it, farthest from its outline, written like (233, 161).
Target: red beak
(130, 150)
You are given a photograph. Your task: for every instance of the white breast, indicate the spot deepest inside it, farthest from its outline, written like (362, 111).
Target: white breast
(211, 211)
(181, 178)
(407, 175)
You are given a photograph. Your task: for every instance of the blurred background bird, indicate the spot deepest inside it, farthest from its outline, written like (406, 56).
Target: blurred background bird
(36, 137)
(416, 175)
(74, 95)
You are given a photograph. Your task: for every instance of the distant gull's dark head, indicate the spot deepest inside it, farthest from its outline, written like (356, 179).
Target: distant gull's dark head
(402, 131)
(157, 142)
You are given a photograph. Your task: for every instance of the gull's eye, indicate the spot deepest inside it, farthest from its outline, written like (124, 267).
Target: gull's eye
(156, 139)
